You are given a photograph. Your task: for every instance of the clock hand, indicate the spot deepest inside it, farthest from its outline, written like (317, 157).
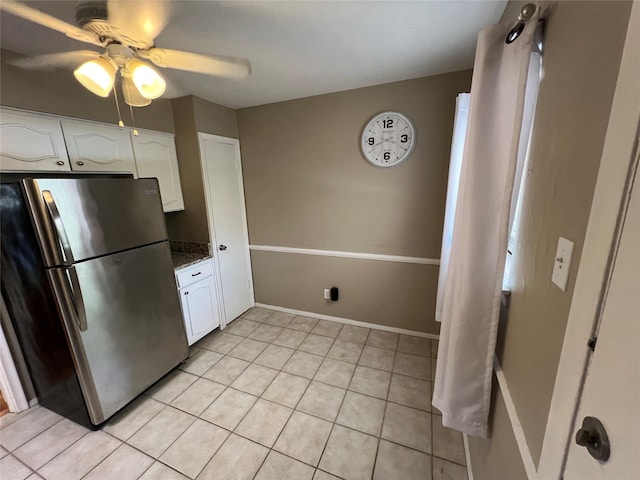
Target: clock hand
(384, 140)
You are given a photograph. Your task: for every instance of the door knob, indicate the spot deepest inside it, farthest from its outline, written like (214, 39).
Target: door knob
(222, 248)
(594, 437)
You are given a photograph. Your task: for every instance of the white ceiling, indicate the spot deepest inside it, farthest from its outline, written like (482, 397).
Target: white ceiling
(297, 49)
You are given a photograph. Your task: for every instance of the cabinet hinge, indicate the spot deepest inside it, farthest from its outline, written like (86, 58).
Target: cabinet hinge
(592, 343)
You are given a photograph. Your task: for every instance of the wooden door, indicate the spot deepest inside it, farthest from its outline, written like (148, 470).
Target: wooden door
(156, 157)
(222, 171)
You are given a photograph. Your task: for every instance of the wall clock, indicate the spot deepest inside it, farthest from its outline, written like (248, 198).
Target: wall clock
(388, 139)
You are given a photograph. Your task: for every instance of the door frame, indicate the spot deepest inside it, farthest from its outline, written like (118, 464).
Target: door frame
(210, 225)
(10, 383)
(612, 191)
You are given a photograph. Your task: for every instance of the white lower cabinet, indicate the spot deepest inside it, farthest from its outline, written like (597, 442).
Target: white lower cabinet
(198, 300)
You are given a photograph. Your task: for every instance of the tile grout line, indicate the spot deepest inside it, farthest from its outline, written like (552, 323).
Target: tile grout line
(258, 397)
(293, 410)
(379, 437)
(37, 434)
(347, 388)
(388, 390)
(300, 399)
(334, 423)
(22, 463)
(386, 405)
(253, 405)
(59, 453)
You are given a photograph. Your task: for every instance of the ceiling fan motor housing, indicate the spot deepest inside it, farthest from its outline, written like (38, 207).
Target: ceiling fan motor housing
(94, 17)
(91, 11)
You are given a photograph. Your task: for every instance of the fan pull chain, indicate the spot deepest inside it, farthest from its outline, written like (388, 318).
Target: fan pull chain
(133, 121)
(115, 95)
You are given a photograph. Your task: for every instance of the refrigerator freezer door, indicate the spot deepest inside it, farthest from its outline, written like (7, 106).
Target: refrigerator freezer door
(134, 332)
(77, 219)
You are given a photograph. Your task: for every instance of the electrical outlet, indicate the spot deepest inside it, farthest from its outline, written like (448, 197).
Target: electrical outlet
(327, 294)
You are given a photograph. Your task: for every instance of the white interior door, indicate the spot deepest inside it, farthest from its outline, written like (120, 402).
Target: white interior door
(222, 172)
(611, 391)
(612, 387)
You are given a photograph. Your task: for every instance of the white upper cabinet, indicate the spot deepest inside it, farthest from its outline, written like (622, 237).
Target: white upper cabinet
(94, 147)
(30, 142)
(155, 155)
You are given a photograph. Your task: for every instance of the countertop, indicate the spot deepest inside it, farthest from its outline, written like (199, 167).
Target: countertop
(184, 259)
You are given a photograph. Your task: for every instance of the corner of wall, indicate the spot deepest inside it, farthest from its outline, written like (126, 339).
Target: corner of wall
(191, 224)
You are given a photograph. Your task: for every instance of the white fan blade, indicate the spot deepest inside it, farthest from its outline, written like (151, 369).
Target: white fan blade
(63, 60)
(138, 22)
(215, 65)
(36, 16)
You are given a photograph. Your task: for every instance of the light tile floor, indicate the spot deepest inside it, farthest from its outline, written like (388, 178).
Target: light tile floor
(272, 397)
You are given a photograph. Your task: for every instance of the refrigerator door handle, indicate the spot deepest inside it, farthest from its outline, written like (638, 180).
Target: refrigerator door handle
(59, 225)
(78, 300)
(59, 279)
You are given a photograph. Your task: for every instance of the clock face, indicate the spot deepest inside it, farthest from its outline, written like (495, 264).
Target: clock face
(388, 139)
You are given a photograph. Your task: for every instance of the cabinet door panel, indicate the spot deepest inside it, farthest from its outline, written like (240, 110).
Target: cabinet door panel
(98, 148)
(156, 157)
(31, 143)
(199, 309)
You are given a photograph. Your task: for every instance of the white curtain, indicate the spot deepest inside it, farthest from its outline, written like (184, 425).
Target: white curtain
(481, 225)
(455, 164)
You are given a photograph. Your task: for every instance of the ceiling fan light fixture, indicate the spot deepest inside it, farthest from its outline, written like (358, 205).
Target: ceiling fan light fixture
(97, 75)
(148, 82)
(131, 94)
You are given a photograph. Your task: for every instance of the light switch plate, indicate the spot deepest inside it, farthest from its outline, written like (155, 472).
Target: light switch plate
(562, 263)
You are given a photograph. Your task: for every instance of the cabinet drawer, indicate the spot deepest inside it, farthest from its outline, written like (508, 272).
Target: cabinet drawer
(194, 273)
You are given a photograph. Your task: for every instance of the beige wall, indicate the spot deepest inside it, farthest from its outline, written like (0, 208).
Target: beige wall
(582, 54)
(308, 186)
(58, 92)
(192, 115)
(387, 293)
(215, 119)
(497, 458)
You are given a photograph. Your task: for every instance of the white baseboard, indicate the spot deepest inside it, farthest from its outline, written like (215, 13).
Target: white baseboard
(467, 456)
(348, 321)
(518, 432)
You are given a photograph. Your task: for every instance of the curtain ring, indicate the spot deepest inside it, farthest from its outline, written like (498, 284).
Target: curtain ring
(526, 14)
(514, 33)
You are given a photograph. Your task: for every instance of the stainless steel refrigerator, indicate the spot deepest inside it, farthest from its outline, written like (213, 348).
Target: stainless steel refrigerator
(88, 282)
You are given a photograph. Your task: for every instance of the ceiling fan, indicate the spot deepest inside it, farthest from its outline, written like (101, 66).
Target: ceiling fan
(126, 30)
